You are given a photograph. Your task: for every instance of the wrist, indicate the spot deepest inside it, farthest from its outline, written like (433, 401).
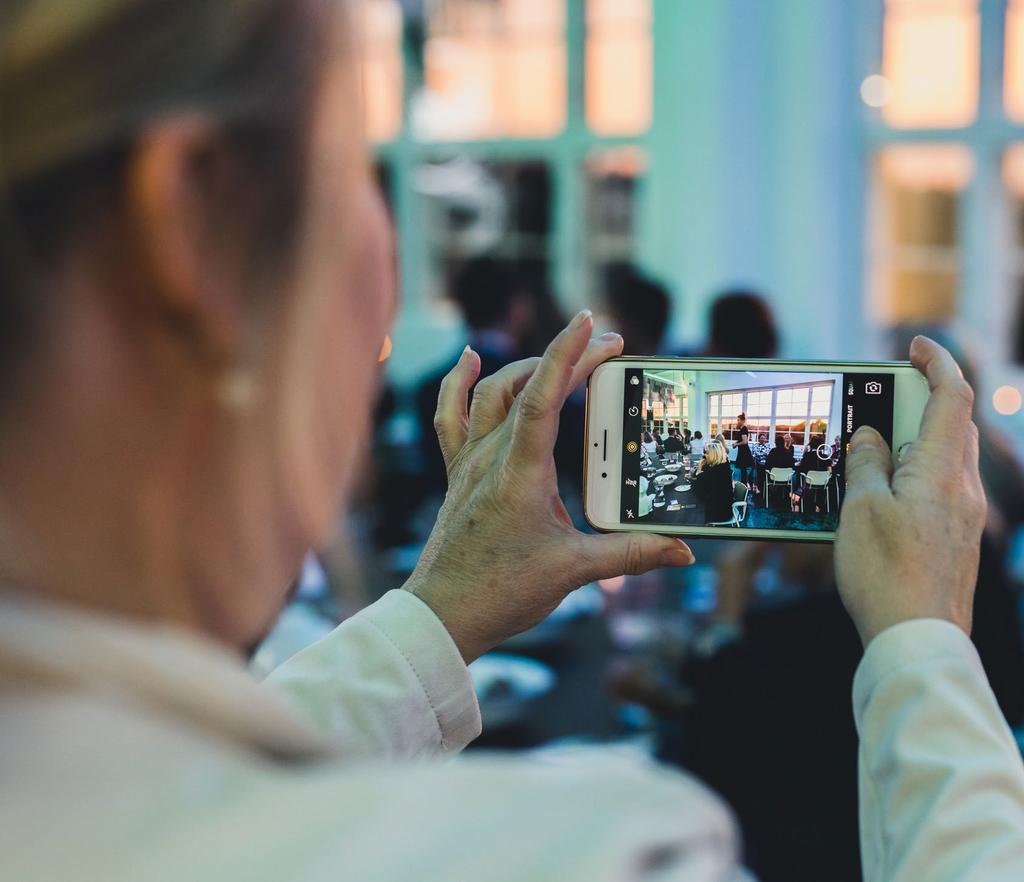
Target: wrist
(470, 646)
(870, 627)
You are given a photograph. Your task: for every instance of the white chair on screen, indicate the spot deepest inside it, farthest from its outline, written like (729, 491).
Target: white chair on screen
(777, 477)
(817, 481)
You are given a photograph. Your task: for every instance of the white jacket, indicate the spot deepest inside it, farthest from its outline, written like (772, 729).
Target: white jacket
(137, 753)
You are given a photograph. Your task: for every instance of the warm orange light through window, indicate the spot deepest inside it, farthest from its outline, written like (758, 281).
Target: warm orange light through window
(493, 70)
(1013, 88)
(942, 167)
(1013, 170)
(619, 66)
(931, 57)
(382, 68)
(915, 272)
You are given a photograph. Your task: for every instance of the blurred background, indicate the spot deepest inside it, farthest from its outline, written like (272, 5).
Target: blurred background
(802, 178)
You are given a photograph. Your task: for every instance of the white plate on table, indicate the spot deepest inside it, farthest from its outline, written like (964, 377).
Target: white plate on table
(683, 488)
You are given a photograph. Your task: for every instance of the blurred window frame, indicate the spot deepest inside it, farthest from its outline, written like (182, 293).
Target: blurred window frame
(574, 156)
(983, 257)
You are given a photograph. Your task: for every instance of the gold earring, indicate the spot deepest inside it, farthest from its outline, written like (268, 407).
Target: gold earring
(385, 350)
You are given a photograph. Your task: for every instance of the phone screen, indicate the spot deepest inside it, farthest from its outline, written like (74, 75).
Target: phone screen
(756, 449)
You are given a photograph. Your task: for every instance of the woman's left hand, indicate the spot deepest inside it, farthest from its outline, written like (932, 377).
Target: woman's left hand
(504, 552)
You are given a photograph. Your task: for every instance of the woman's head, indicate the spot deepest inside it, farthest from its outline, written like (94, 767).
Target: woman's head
(762, 438)
(780, 440)
(787, 440)
(191, 242)
(715, 455)
(698, 435)
(648, 438)
(741, 420)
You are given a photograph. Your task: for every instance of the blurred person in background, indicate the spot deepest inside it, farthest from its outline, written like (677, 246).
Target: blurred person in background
(742, 326)
(497, 313)
(697, 444)
(637, 306)
(509, 313)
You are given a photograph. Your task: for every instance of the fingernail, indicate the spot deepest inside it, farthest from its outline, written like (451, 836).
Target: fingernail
(681, 555)
(610, 337)
(865, 436)
(581, 317)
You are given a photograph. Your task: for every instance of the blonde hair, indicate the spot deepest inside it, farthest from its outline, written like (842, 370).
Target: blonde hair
(75, 76)
(80, 80)
(715, 454)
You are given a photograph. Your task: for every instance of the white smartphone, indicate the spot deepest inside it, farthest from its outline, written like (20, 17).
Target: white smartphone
(740, 449)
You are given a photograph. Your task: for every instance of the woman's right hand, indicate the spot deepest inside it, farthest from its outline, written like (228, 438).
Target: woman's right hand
(504, 552)
(908, 540)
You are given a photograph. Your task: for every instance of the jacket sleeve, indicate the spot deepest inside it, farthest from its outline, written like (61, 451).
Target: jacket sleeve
(389, 683)
(941, 778)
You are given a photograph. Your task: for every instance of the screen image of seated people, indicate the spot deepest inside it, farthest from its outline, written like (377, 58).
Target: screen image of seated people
(756, 449)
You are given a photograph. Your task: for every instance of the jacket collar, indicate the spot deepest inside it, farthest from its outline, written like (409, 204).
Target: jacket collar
(160, 670)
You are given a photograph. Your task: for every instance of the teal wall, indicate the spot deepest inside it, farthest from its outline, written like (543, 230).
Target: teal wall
(755, 174)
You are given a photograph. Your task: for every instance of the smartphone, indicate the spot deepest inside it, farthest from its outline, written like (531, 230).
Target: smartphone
(741, 449)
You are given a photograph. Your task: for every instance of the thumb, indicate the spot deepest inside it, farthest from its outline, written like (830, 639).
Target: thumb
(619, 554)
(869, 462)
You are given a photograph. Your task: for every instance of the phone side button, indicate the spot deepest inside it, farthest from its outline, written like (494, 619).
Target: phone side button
(904, 447)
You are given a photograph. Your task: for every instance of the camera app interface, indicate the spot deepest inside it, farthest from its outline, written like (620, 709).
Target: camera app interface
(756, 449)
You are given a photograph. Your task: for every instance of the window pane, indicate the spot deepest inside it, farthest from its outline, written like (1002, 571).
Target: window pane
(914, 238)
(612, 183)
(619, 66)
(493, 70)
(382, 68)
(1013, 175)
(931, 58)
(1014, 64)
(502, 209)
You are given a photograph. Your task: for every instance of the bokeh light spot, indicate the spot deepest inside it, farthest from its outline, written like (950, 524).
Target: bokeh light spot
(876, 91)
(1007, 400)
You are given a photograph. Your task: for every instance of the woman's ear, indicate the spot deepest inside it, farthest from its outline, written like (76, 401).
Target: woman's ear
(178, 184)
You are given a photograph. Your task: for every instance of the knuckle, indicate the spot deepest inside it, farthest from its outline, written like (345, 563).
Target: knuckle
(963, 394)
(979, 508)
(486, 386)
(633, 558)
(446, 384)
(532, 404)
